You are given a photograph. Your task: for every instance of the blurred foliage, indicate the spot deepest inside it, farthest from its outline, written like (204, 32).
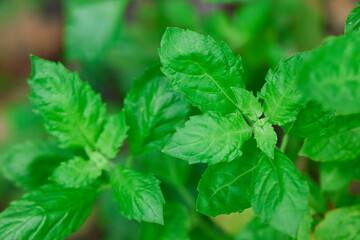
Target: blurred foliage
(112, 46)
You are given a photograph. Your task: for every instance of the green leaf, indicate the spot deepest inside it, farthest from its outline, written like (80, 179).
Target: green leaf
(30, 164)
(341, 142)
(176, 224)
(138, 195)
(71, 110)
(153, 111)
(247, 103)
(259, 230)
(202, 69)
(49, 213)
(335, 176)
(279, 196)
(113, 135)
(311, 121)
(282, 99)
(304, 231)
(353, 21)
(265, 136)
(76, 173)
(224, 187)
(209, 138)
(331, 75)
(342, 223)
(91, 27)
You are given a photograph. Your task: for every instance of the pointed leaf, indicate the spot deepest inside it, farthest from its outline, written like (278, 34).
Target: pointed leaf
(342, 223)
(282, 99)
(353, 20)
(224, 187)
(331, 74)
(341, 142)
(202, 69)
(76, 173)
(209, 138)
(49, 213)
(71, 110)
(248, 103)
(113, 135)
(138, 195)
(153, 110)
(30, 164)
(266, 137)
(312, 121)
(280, 196)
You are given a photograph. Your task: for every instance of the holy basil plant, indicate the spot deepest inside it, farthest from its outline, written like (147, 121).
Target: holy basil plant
(194, 107)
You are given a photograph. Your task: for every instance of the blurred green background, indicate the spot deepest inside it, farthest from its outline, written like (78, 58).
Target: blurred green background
(111, 42)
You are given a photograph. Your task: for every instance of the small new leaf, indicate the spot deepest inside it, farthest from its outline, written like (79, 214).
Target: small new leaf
(265, 136)
(279, 195)
(248, 103)
(202, 69)
(341, 142)
(282, 99)
(113, 135)
(209, 138)
(49, 213)
(224, 187)
(76, 173)
(138, 194)
(153, 110)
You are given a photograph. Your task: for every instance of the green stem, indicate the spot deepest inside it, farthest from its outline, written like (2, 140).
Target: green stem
(284, 142)
(186, 195)
(129, 161)
(209, 229)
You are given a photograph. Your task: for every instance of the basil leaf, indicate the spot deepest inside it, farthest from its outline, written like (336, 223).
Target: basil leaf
(282, 99)
(341, 142)
(202, 69)
(209, 138)
(153, 110)
(342, 223)
(248, 103)
(353, 21)
(265, 136)
(30, 164)
(224, 187)
(279, 196)
(331, 74)
(76, 173)
(312, 121)
(49, 213)
(138, 194)
(91, 27)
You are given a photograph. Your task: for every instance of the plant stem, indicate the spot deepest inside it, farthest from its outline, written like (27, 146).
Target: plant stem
(186, 195)
(129, 161)
(284, 142)
(208, 229)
